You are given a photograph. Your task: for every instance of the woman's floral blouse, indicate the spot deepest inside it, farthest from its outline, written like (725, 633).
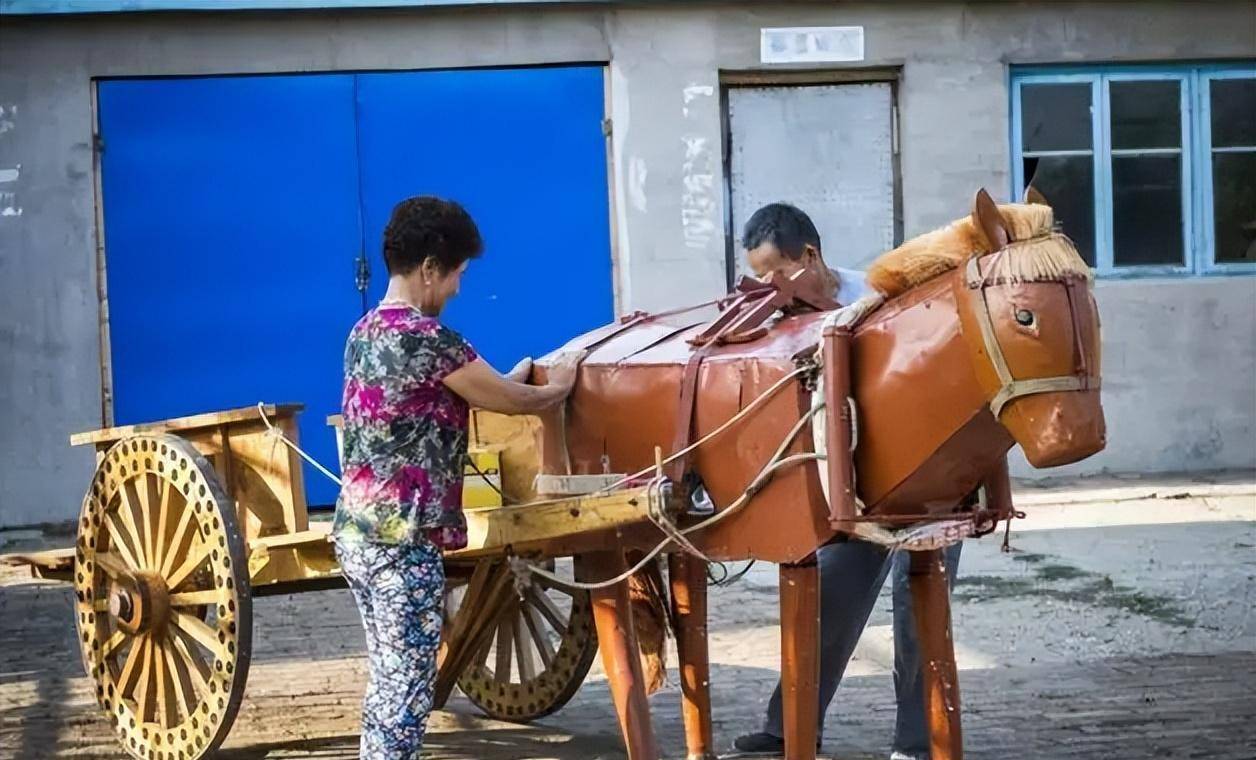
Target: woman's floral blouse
(405, 433)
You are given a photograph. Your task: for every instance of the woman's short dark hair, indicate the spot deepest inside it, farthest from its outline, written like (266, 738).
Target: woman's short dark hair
(782, 225)
(426, 227)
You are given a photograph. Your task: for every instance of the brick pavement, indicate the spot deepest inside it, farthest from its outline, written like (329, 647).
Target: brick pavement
(1117, 642)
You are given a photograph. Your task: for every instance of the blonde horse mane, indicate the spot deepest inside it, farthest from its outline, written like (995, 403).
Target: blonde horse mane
(1034, 252)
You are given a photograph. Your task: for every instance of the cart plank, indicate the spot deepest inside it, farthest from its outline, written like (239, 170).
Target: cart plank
(55, 564)
(530, 527)
(193, 422)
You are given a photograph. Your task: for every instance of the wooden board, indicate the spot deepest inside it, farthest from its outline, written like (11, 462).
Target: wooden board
(517, 435)
(56, 564)
(542, 526)
(549, 528)
(179, 424)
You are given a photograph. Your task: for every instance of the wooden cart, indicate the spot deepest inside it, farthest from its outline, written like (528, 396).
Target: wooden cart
(185, 521)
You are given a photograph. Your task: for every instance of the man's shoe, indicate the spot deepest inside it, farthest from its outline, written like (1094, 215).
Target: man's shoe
(896, 755)
(761, 743)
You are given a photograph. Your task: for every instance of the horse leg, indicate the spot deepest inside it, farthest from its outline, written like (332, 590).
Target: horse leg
(931, 605)
(612, 616)
(800, 657)
(689, 608)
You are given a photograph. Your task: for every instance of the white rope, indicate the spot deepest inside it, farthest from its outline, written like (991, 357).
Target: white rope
(854, 423)
(664, 523)
(917, 538)
(778, 462)
(277, 433)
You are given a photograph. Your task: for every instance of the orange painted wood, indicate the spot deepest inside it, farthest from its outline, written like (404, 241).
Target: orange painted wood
(688, 577)
(800, 657)
(931, 605)
(617, 641)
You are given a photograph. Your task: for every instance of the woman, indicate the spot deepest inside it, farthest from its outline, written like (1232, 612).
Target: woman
(408, 383)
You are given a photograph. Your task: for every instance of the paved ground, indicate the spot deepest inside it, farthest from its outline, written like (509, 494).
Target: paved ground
(1120, 626)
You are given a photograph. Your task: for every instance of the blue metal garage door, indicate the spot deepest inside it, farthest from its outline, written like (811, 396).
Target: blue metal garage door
(235, 209)
(523, 150)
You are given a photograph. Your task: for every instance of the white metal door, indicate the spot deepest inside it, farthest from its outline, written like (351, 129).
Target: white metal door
(827, 149)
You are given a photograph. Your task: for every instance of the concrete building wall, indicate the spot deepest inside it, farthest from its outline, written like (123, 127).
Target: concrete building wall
(1180, 354)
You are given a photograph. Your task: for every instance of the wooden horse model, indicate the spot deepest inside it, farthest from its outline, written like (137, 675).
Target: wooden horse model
(984, 335)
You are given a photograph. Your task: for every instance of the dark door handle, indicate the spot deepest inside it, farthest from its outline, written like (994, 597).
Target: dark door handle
(362, 277)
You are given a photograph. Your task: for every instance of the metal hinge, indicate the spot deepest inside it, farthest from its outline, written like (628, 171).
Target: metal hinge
(607, 127)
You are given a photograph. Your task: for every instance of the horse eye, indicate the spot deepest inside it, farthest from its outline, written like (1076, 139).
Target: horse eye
(1025, 317)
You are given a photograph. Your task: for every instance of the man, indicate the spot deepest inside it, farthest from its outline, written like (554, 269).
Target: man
(781, 239)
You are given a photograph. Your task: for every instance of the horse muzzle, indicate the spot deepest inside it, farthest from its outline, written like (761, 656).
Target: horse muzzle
(1057, 428)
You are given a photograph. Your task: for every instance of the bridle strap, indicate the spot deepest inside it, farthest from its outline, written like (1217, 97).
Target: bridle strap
(1018, 388)
(977, 285)
(1011, 388)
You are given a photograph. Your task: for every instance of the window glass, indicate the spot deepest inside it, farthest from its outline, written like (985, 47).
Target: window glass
(1056, 117)
(1234, 206)
(1068, 184)
(1146, 114)
(1146, 128)
(1147, 210)
(1233, 106)
(1233, 110)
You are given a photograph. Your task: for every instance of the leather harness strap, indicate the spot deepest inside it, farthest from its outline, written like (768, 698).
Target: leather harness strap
(741, 321)
(689, 395)
(1011, 388)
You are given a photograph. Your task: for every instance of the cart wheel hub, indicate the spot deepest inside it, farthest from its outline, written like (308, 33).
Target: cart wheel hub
(140, 603)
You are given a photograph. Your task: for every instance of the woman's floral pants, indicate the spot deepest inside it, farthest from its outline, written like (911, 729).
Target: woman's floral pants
(400, 594)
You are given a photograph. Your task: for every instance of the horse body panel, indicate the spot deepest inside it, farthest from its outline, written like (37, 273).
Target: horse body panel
(627, 402)
(916, 393)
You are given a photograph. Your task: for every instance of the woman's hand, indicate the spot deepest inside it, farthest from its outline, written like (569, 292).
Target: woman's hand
(483, 387)
(562, 373)
(521, 371)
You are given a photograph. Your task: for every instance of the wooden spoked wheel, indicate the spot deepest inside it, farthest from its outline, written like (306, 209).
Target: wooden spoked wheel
(163, 604)
(536, 661)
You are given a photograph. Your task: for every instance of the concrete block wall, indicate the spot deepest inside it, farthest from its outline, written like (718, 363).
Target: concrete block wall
(1180, 355)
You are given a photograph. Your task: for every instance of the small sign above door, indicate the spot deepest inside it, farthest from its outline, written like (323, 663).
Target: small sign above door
(811, 44)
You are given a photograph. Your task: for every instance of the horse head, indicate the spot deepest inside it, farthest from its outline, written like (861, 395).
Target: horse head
(1032, 327)
(989, 336)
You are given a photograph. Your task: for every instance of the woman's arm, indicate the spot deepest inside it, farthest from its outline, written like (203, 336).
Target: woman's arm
(483, 387)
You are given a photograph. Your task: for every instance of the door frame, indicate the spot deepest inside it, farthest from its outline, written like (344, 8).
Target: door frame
(101, 243)
(747, 78)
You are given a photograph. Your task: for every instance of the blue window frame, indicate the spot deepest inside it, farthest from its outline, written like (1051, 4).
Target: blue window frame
(1151, 169)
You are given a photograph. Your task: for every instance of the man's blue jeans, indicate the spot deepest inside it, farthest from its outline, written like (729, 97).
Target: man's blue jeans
(851, 576)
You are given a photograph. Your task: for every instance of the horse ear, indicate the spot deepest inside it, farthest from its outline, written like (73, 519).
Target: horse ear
(988, 219)
(1033, 196)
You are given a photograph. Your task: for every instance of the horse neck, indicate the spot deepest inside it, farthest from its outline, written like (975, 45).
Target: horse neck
(926, 438)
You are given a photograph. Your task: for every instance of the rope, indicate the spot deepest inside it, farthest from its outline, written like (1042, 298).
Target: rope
(854, 425)
(711, 435)
(277, 433)
(658, 515)
(778, 462)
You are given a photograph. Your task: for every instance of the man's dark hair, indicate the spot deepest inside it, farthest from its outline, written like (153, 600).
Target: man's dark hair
(426, 227)
(782, 225)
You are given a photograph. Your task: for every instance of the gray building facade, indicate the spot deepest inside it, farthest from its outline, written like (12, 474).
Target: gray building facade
(1179, 348)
